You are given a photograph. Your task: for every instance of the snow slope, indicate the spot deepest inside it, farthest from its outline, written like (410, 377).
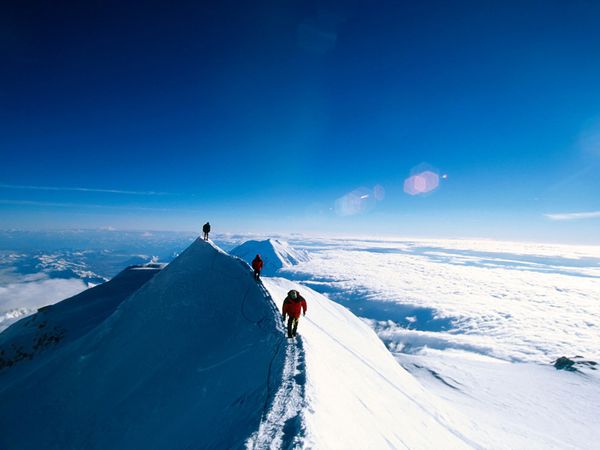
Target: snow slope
(356, 395)
(275, 254)
(66, 321)
(196, 358)
(479, 324)
(522, 405)
(188, 361)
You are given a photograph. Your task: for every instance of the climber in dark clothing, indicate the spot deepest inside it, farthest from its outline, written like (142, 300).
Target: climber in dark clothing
(206, 230)
(293, 305)
(257, 265)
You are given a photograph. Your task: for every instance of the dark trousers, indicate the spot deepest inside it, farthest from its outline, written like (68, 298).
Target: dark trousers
(206, 235)
(256, 274)
(292, 326)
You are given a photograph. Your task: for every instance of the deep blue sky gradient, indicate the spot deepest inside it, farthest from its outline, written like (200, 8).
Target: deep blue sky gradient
(259, 115)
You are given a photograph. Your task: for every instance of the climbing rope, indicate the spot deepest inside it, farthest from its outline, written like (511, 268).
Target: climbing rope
(275, 311)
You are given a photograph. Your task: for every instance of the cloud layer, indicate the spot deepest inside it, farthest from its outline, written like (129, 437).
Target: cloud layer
(518, 302)
(21, 298)
(79, 189)
(574, 216)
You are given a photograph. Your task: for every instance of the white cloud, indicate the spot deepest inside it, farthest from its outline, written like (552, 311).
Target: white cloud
(85, 205)
(79, 189)
(574, 216)
(525, 302)
(19, 299)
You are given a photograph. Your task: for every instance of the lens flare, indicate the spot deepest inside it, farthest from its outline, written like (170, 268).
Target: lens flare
(421, 183)
(378, 192)
(359, 201)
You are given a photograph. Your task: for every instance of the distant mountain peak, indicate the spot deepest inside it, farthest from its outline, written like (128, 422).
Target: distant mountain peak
(275, 253)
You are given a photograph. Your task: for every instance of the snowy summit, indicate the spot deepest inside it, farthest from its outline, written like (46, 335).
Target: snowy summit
(275, 253)
(194, 350)
(197, 358)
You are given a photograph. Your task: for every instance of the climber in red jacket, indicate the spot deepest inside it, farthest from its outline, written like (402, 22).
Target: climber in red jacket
(257, 265)
(293, 305)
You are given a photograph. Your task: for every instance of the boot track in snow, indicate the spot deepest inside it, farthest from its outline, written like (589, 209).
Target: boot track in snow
(282, 426)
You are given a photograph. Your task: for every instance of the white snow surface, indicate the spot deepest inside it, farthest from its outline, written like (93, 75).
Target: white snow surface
(275, 253)
(356, 395)
(479, 323)
(521, 405)
(197, 358)
(59, 324)
(188, 361)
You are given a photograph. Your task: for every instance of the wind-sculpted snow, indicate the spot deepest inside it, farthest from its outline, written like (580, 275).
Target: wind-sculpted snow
(185, 362)
(276, 254)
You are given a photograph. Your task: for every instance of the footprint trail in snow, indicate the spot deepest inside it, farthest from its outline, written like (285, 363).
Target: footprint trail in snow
(282, 424)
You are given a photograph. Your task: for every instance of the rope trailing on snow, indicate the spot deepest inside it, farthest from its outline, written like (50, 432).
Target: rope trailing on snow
(270, 394)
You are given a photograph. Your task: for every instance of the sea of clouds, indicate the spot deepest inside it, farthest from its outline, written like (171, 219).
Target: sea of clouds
(518, 302)
(21, 295)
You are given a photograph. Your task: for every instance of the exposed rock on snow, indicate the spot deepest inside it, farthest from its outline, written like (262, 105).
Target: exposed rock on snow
(275, 254)
(574, 364)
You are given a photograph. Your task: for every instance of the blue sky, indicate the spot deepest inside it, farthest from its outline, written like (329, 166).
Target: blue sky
(260, 117)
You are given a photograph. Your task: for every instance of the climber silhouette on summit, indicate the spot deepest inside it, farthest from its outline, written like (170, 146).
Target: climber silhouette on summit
(293, 305)
(206, 230)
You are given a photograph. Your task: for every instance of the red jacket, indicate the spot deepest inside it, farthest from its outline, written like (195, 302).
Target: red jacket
(294, 307)
(257, 263)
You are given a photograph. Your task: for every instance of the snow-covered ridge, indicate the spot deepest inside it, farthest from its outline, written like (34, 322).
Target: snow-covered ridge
(196, 358)
(55, 325)
(187, 361)
(276, 254)
(356, 395)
